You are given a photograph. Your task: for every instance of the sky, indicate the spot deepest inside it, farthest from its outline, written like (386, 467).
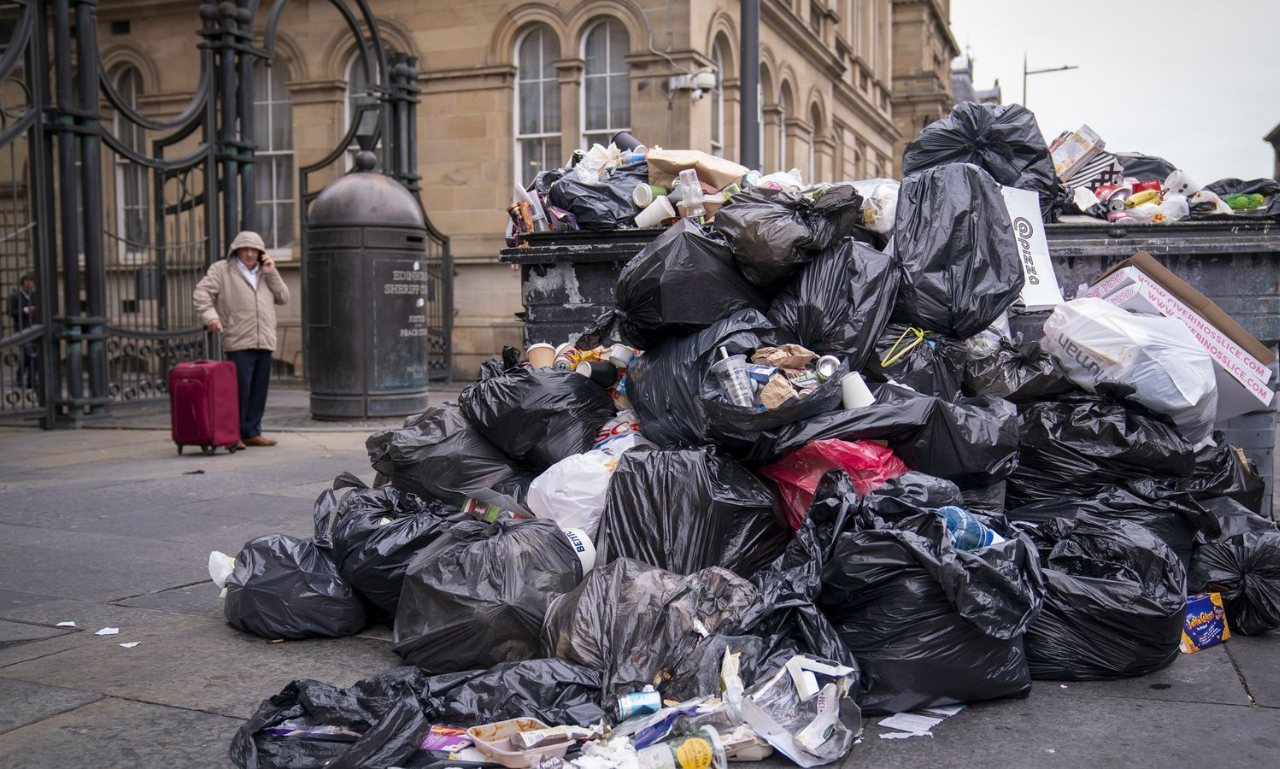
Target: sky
(1197, 83)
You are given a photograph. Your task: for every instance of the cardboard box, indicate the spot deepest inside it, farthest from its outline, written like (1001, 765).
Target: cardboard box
(1198, 302)
(1239, 391)
(1041, 290)
(1205, 624)
(1133, 282)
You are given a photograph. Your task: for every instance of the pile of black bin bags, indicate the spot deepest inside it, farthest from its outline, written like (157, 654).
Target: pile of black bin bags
(1107, 516)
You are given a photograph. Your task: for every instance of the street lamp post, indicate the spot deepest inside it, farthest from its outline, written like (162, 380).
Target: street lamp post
(1026, 72)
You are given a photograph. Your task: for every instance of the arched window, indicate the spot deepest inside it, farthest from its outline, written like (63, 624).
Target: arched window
(607, 82)
(133, 210)
(717, 101)
(357, 86)
(815, 128)
(784, 106)
(537, 103)
(273, 124)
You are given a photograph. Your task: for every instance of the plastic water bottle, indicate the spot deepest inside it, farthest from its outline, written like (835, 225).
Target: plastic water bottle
(967, 532)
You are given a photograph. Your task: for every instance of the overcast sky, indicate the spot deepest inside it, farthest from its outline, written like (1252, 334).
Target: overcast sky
(1197, 83)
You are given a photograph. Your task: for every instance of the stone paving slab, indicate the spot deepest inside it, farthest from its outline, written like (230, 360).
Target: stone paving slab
(118, 733)
(1257, 658)
(27, 703)
(236, 671)
(1054, 728)
(1206, 676)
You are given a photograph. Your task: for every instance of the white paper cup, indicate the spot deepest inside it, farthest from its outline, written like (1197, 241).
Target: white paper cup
(1179, 183)
(541, 355)
(642, 196)
(656, 213)
(854, 393)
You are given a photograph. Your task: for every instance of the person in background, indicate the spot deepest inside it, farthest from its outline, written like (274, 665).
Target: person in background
(22, 310)
(236, 298)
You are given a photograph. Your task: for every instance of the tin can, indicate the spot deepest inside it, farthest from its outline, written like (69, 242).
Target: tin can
(638, 704)
(827, 367)
(567, 357)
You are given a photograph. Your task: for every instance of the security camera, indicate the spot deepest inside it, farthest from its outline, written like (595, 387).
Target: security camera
(697, 94)
(705, 80)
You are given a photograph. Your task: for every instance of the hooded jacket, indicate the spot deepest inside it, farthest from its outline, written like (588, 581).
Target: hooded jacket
(247, 313)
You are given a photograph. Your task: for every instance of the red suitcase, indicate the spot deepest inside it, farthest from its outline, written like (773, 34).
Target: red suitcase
(204, 405)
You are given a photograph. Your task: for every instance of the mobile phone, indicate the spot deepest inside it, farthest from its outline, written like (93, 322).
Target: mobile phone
(260, 258)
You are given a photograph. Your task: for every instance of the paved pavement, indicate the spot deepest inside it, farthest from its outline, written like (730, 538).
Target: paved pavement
(110, 528)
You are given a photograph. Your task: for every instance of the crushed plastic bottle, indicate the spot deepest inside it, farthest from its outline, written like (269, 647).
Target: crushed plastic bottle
(967, 532)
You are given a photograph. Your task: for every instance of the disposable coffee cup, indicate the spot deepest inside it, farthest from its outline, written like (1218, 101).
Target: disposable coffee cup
(541, 355)
(645, 194)
(602, 372)
(621, 355)
(583, 546)
(1179, 183)
(657, 212)
(854, 393)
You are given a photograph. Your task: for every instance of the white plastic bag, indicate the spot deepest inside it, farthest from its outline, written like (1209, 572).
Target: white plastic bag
(572, 491)
(221, 566)
(1095, 342)
(879, 203)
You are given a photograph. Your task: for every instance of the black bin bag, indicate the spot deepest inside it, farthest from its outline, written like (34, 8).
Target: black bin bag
(931, 625)
(684, 510)
(439, 455)
(1081, 443)
(285, 587)
(476, 596)
(1018, 373)
(928, 363)
(1114, 601)
(375, 534)
(772, 233)
(550, 690)
(839, 303)
(638, 624)
(676, 397)
(602, 206)
(1224, 471)
(1003, 139)
(383, 709)
(1173, 516)
(960, 265)
(970, 441)
(682, 282)
(1242, 563)
(787, 616)
(537, 416)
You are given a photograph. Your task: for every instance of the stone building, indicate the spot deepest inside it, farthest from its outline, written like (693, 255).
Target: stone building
(509, 88)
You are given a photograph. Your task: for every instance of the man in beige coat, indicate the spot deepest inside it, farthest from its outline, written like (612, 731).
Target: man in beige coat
(236, 298)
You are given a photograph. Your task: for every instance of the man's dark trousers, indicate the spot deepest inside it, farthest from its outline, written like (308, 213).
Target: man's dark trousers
(253, 372)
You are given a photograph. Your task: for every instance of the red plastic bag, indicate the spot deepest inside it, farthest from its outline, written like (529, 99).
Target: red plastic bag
(797, 474)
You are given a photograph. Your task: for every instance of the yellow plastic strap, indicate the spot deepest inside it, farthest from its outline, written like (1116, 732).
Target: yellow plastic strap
(893, 357)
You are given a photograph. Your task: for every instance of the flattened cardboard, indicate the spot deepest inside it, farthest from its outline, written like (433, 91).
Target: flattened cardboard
(1198, 302)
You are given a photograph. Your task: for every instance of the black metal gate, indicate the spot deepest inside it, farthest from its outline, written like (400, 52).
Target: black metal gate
(115, 216)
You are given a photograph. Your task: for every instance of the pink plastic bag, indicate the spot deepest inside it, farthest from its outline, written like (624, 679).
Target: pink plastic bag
(797, 475)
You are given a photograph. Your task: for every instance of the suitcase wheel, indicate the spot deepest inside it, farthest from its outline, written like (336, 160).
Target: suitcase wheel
(231, 449)
(210, 450)
(179, 449)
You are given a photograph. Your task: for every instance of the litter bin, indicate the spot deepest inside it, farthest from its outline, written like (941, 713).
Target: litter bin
(365, 289)
(568, 280)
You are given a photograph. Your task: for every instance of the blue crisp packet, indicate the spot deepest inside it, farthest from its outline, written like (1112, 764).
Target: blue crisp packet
(1205, 624)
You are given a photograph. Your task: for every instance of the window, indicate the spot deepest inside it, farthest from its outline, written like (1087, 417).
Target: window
(537, 103)
(717, 102)
(784, 103)
(607, 86)
(132, 195)
(815, 17)
(358, 85)
(815, 126)
(273, 123)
